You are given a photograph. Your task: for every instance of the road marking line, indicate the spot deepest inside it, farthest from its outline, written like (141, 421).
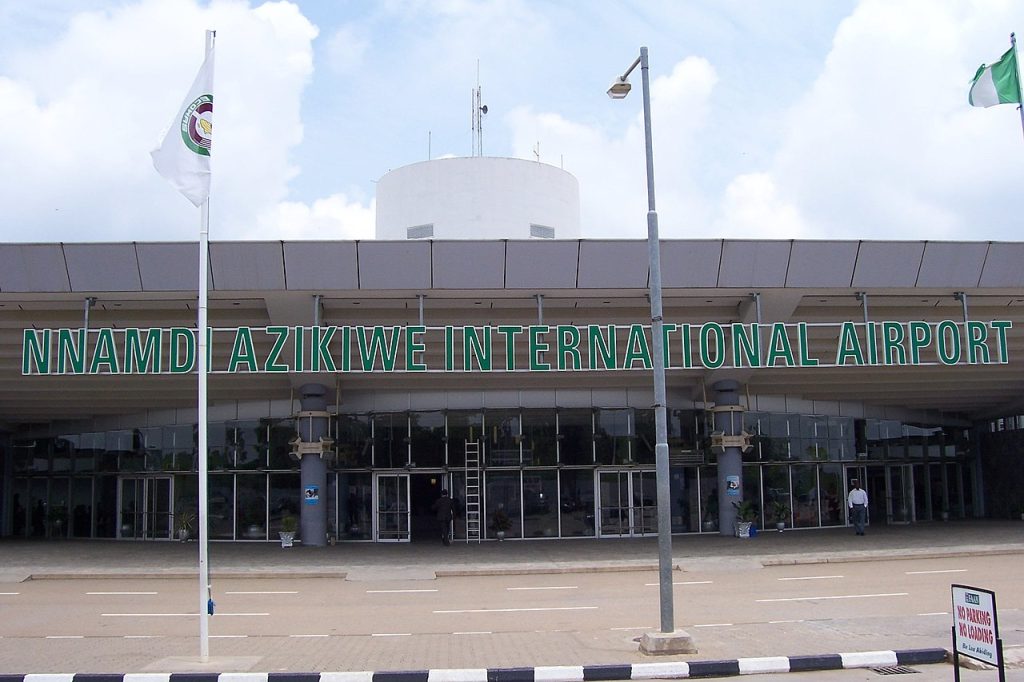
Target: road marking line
(935, 613)
(561, 587)
(9, 594)
(712, 625)
(280, 592)
(115, 593)
(812, 577)
(173, 615)
(773, 622)
(948, 570)
(228, 636)
(474, 632)
(391, 634)
(636, 627)
(65, 637)
(842, 596)
(309, 635)
(142, 636)
(396, 591)
(545, 608)
(689, 582)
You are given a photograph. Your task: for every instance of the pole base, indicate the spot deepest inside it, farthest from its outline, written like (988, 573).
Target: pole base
(666, 643)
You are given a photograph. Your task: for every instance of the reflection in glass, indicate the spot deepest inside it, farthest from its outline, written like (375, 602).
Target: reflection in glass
(352, 441)
(613, 494)
(776, 495)
(611, 436)
(250, 444)
(752, 490)
(284, 499)
(221, 507)
(251, 506)
(355, 505)
(577, 502)
(685, 504)
(540, 445)
(502, 504)
(708, 499)
(833, 497)
(282, 432)
(503, 436)
(805, 496)
(540, 504)
(575, 437)
(463, 427)
(427, 436)
(390, 440)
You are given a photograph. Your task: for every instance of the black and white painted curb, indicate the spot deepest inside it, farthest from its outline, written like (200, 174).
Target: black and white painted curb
(566, 673)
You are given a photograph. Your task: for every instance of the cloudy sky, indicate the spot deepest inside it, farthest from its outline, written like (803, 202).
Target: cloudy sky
(772, 118)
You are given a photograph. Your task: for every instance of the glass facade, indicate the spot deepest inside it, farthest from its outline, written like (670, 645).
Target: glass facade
(547, 473)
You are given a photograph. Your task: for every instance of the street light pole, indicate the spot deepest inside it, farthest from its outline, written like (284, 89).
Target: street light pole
(620, 88)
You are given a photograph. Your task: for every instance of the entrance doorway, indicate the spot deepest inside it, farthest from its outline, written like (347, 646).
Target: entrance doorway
(144, 508)
(405, 506)
(627, 503)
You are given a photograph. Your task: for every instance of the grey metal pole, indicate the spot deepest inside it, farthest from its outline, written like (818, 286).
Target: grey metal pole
(658, 350)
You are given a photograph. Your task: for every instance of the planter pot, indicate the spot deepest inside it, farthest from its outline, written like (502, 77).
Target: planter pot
(286, 538)
(743, 529)
(500, 535)
(781, 526)
(709, 526)
(182, 534)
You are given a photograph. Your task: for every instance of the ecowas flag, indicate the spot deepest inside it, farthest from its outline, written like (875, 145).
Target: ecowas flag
(184, 156)
(996, 83)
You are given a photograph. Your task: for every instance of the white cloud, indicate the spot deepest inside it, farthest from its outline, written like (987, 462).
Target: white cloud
(346, 48)
(335, 217)
(91, 104)
(611, 165)
(752, 208)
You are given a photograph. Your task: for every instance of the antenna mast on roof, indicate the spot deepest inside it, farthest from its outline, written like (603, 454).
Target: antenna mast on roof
(478, 117)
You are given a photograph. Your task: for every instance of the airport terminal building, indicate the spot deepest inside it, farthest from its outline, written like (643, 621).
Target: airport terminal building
(351, 381)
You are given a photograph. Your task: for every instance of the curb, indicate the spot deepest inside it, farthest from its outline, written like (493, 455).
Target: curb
(568, 673)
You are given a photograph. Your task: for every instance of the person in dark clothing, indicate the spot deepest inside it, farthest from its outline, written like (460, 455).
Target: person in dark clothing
(445, 510)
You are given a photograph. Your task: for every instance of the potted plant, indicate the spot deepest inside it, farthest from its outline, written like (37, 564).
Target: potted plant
(184, 522)
(57, 515)
(780, 510)
(500, 523)
(746, 515)
(289, 525)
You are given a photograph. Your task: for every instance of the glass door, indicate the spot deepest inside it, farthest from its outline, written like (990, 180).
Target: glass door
(627, 503)
(902, 486)
(144, 508)
(392, 506)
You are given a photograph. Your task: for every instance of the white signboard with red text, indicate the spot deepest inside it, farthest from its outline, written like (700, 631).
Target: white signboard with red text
(976, 632)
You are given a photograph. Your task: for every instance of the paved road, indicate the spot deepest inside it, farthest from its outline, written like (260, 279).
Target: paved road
(301, 624)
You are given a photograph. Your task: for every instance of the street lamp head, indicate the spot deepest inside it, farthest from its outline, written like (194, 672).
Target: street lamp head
(620, 88)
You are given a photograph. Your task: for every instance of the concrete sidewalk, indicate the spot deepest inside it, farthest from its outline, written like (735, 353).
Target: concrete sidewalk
(24, 560)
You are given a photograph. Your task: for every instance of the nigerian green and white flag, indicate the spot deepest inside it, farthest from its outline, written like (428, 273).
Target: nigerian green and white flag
(184, 156)
(996, 83)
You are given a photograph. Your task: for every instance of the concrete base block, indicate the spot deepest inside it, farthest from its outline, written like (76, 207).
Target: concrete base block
(666, 643)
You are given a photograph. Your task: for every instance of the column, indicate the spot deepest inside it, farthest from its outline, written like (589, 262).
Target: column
(312, 425)
(729, 422)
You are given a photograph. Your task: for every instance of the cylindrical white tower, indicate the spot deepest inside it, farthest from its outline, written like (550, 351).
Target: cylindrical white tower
(478, 197)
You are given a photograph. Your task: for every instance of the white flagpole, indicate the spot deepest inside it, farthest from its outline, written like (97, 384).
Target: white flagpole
(201, 343)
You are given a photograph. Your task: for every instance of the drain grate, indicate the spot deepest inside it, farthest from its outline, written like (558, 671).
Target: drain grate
(895, 670)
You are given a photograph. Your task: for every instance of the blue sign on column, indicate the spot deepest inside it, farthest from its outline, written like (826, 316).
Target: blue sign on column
(312, 494)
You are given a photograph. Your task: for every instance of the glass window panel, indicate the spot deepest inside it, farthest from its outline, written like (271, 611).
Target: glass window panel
(282, 432)
(776, 495)
(186, 499)
(577, 502)
(806, 498)
(219, 438)
(152, 438)
(613, 502)
(355, 505)
(685, 503)
(458, 479)
(352, 441)
(106, 506)
(62, 454)
(502, 502)
(19, 508)
(612, 434)
(251, 444)
(830, 485)
(21, 456)
(428, 438)
(81, 513)
(251, 506)
(504, 431)
(390, 440)
(463, 427)
(221, 505)
(284, 499)
(37, 503)
(179, 444)
(57, 508)
(540, 504)
(575, 437)
(752, 490)
(540, 444)
(709, 498)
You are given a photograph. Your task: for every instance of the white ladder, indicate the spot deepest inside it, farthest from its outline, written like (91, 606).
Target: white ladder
(473, 530)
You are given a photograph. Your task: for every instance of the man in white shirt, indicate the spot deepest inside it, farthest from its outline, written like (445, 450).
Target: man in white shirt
(858, 502)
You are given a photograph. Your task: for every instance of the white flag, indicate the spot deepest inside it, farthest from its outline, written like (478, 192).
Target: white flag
(184, 156)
